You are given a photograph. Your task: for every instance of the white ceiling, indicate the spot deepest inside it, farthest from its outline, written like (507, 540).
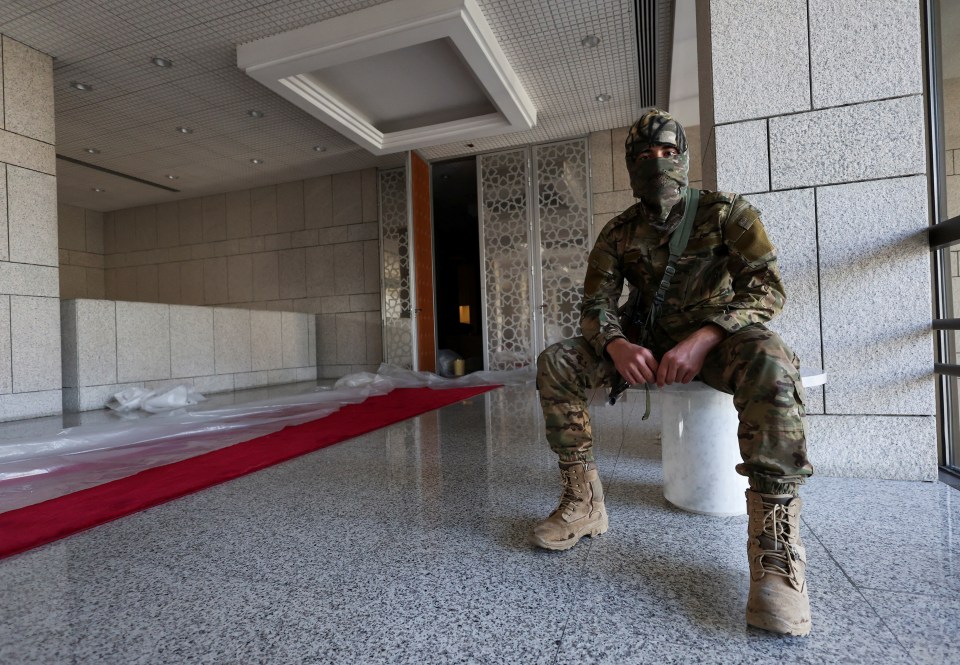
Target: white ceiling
(132, 113)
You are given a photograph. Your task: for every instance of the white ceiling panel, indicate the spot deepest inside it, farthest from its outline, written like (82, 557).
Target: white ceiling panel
(134, 108)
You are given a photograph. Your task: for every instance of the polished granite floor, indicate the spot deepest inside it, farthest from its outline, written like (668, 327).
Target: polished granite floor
(408, 545)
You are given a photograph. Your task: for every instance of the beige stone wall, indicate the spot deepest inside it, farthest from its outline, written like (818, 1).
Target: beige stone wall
(305, 246)
(30, 382)
(81, 252)
(609, 180)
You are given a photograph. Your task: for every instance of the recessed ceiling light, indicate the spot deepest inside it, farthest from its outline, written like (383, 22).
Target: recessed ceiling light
(471, 145)
(603, 97)
(77, 85)
(254, 113)
(256, 160)
(590, 41)
(320, 148)
(184, 130)
(91, 151)
(98, 190)
(162, 62)
(170, 176)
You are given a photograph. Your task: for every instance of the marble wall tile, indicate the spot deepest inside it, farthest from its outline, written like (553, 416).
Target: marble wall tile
(318, 202)
(290, 206)
(371, 266)
(859, 142)
(326, 339)
(191, 283)
(73, 282)
(613, 203)
(374, 336)
(864, 51)
(770, 77)
(231, 329)
(94, 231)
(279, 376)
(348, 268)
(351, 338)
(191, 341)
(621, 179)
(126, 284)
(168, 225)
(71, 227)
(240, 278)
(266, 276)
(601, 162)
(293, 273)
(263, 210)
(32, 217)
(347, 205)
(320, 273)
(146, 228)
(266, 335)
(96, 284)
(246, 380)
(143, 342)
(216, 289)
(168, 277)
(35, 343)
(876, 297)
(27, 153)
(873, 446)
(19, 406)
(95, 343)
(148, 286)
(28, 91)
(4, 231)
(742, 162)
(6, 378)
(238, 214)
(296, 339)
(312, 340)
(191, 221)
(214, 218)
(369, 200)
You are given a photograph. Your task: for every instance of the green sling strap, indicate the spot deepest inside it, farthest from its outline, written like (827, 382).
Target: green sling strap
(678, 243)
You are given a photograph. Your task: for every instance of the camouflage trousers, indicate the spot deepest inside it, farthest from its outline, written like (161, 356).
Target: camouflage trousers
(752, 364)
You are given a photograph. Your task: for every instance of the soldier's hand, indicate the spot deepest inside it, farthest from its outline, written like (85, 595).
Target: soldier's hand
(635, 363)
(684, 361)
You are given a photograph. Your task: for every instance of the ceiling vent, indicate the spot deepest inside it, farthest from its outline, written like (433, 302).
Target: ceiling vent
(397, 76)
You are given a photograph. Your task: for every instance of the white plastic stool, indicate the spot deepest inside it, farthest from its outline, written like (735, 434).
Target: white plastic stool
(700, 450)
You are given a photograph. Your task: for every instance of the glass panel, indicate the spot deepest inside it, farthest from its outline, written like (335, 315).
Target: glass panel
(563, 216)
(949, 206)
(394, 240)
(504, 225)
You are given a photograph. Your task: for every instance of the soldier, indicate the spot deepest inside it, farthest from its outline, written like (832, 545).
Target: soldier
(709, 325)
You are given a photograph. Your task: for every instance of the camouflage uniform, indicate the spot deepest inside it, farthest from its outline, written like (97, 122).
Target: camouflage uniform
(727, 276)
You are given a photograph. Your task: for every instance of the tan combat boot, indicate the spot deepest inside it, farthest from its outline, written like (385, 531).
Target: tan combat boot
(778, 590)
(580, 513)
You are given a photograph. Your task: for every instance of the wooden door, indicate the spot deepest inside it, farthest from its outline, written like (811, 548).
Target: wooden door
(423, 263)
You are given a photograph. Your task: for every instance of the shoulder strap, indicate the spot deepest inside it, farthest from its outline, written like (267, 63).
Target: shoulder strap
(678, 241)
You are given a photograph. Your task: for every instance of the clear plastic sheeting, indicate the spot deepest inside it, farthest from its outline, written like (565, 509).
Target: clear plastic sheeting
(151, 401)
(43, 467)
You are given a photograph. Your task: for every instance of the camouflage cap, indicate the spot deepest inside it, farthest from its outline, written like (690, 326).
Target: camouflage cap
(655, 127)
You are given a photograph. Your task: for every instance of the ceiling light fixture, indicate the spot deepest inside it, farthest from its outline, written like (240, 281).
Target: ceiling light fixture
(184, 130)
(162, 62)
(98, 190)
(254, 113)
(471, 145)
(603, 97)
(320, 148)
(256, 160)
(77, 85)
(590, 41)
(170, 176)
(91, 151)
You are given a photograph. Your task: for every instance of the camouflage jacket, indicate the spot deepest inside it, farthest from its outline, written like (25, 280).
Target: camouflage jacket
(727, 275)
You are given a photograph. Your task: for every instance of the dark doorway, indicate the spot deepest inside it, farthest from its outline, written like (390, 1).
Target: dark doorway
(456, 252)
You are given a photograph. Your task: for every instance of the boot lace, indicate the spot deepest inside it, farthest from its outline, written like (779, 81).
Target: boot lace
(572, 492)
(781, 558)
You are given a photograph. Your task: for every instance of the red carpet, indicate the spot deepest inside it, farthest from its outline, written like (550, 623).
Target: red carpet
(41, 523)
